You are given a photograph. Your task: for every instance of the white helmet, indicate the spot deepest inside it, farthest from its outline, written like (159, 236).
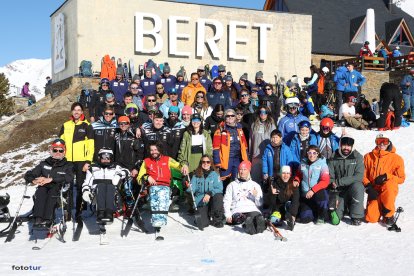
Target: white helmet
(325, 70)
(292, 101)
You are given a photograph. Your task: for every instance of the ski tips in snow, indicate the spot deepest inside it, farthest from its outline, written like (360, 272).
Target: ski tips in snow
(276, 232)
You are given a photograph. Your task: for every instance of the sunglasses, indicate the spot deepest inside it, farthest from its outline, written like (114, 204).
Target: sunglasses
(217, 83)
(206, 162)
(151, 101)
(200, 97)
(382, 141)
(108, 113)
(325, 128)
(173, 93)
(268, 89)
(131, 111)
(244, 95)
(135, 87)
(58, 150)
(124, 124)
(230, 116)
(312, 153)
(238, 113)
(263, 112)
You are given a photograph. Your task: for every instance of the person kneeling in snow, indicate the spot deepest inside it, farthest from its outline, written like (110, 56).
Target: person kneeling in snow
(156, 172)
(242, 201)
(384, 170)
(49, 175)
(102, 179)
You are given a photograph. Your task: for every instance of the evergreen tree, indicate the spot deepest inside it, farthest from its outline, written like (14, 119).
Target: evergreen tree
(6, 104)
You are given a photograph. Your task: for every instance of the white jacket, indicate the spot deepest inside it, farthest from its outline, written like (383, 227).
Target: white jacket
(110, 175)
(239, 198)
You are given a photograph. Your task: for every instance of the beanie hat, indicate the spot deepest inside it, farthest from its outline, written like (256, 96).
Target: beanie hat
(174, 109)
(123, 119)
(246, 165)
(228, 78)
(221, 68)
(259, 75)
(200, 68)
(187, 110)
(166, 68)
(180, 73)
(119, 71)
(244, 77)
(285, 169)
(136, 77)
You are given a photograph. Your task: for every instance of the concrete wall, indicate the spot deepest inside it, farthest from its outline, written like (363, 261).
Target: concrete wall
(107, 27)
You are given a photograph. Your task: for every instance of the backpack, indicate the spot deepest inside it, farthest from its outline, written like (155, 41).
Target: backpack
(389, 121)
(85, 97)
(85, 68)
(156, 72)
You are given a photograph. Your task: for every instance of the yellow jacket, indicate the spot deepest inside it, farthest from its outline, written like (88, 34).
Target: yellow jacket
(79, 140)
(189, 92)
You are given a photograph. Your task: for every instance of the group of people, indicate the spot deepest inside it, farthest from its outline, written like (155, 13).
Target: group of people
(240, 163)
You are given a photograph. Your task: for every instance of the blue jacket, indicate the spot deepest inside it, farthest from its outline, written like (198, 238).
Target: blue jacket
(201, 186)
(148, 86)
(325, 111)
(268, 155)
(166, 106)
(119, 88)
(168, 82)
(339, 78)
(307, 109)
(219, 97)
(312, 174)
(351, 78)
(289, 123)
(291, 154)
(407, 90)
(180, 86)
(205, 82)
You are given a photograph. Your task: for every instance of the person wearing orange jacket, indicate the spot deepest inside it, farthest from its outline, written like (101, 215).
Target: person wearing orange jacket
(384, 170)
(229, 147)
(189, 92)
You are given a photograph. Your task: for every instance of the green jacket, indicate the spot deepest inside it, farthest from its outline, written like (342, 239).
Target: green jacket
(345, 171)
(193, 159)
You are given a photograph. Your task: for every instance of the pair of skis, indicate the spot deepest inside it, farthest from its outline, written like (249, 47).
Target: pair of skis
(138, 220)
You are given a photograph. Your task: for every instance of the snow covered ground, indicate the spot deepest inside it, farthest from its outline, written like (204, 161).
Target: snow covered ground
(311, 249)
(32, 70)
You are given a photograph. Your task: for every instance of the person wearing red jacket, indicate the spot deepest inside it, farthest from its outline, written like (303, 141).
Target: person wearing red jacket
(155, 172)
(313, 178)
(384, 171)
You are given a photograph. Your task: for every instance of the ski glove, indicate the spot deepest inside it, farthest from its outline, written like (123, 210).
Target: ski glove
(116, 179)
(380, 179)
(372, 193)
(87, 196)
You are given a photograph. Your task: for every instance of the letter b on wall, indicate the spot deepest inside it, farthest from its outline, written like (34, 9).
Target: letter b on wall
(143, 32)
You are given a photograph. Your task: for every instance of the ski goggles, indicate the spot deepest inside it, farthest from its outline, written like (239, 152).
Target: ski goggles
(131, 111)
(105, 156)
(382, 141)
(347, 141)
(326, 128)
(293, 105)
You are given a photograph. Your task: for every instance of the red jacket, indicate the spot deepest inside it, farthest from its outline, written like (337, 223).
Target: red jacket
(159, 169)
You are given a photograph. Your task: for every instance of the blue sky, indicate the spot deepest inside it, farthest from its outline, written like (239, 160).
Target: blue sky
(26, 26)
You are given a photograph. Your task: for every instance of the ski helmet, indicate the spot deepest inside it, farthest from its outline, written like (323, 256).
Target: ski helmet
(105, 80)
(327, 123)
(105, 153)
(292, 101)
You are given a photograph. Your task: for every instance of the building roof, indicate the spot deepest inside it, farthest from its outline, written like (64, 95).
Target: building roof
(335, 22)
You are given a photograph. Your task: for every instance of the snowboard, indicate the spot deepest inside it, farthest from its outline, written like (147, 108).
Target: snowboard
(131, 68)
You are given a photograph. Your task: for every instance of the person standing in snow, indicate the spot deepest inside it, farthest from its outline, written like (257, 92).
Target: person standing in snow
(242, 201)
(384, 171)
(346, 170)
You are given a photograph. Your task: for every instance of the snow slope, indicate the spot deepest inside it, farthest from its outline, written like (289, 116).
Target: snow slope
(33, 71)
(311, 249)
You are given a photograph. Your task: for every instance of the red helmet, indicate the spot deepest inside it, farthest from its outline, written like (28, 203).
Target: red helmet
(327, 122)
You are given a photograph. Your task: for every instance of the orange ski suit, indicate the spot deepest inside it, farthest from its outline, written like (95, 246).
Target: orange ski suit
(378, 162)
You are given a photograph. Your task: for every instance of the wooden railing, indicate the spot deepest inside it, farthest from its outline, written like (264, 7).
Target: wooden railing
(379, 63)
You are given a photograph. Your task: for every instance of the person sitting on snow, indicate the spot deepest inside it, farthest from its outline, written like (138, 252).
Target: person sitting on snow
(242, 201)
(50, 175)
(102, 180)
(384, 171)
